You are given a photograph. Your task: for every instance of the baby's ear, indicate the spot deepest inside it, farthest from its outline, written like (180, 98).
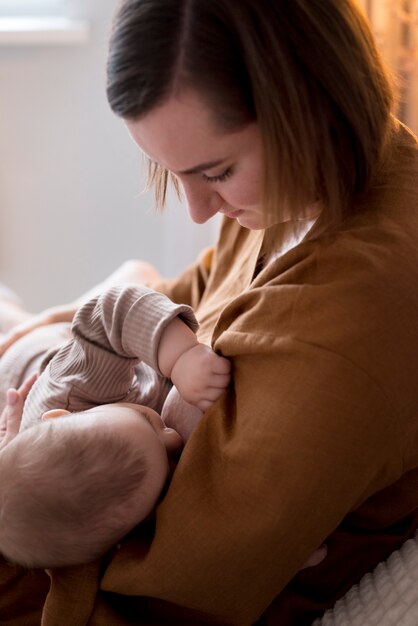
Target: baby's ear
(50, 415)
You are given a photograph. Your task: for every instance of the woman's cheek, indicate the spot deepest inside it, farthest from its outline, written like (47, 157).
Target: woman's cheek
(243, 193)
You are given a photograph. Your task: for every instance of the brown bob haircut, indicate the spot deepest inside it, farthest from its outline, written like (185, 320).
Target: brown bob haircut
(307, 71)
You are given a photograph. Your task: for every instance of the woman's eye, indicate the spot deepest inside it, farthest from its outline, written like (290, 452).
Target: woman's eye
(220, 178)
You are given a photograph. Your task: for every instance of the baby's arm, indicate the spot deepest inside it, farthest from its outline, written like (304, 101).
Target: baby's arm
(140, 323)
(111, 334)
(199, 374)
(130, 272)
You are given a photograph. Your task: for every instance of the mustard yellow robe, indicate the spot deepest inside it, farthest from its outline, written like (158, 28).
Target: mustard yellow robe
(315, 441)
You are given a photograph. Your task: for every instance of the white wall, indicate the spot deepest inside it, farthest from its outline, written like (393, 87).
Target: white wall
(71, 208)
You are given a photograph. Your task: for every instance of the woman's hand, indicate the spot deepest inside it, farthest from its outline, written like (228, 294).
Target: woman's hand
(12, 414)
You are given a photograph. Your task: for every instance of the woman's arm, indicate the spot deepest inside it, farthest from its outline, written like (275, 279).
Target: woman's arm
(268, 474)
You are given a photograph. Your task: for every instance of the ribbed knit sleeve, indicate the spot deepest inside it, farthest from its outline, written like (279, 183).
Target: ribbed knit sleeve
(129, 321)
(112, 333)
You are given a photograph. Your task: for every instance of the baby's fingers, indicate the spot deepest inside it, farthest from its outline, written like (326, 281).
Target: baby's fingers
(221, 365)
(220, 381)
(204, 405)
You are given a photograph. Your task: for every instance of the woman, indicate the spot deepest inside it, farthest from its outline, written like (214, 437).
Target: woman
(278, 115)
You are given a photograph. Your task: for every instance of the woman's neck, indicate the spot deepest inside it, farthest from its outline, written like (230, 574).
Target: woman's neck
(287, 235)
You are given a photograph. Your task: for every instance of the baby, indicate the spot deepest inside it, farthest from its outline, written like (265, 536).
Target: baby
(73, 487)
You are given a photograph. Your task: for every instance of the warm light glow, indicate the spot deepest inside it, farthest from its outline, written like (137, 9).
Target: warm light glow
(395, 25)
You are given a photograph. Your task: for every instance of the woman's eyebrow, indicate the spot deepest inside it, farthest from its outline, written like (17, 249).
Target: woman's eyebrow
(202, 167)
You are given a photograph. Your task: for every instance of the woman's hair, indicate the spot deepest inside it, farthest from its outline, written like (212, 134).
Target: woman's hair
(68, 494)
(307, 71)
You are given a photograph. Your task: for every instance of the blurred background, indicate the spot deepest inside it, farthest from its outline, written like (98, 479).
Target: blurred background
(71, 180)
(395, 26)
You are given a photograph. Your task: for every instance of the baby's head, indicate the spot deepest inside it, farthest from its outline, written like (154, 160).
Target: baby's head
(72, 487)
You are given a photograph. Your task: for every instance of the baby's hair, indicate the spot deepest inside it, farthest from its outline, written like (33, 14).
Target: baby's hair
(67, 492)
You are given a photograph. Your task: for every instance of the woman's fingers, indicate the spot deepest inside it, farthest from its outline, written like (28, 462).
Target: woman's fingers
(26, 386)
(11, 416)
(13, 411)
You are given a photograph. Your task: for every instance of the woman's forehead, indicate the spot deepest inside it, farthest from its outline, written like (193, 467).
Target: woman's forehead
(181, 135)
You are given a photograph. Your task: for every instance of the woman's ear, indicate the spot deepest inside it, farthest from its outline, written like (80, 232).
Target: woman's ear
(50, 415)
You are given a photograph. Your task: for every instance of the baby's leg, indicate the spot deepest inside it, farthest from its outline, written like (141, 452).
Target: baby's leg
(11, 311)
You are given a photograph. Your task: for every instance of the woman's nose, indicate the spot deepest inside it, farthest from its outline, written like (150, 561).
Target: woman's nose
(202, 204)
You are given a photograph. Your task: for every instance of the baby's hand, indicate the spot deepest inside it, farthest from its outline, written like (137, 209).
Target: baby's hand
(201, 376)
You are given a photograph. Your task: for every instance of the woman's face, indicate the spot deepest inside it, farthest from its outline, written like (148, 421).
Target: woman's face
(219, 172)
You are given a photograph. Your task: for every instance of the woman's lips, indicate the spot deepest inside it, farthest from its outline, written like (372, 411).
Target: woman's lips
(232, 214)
